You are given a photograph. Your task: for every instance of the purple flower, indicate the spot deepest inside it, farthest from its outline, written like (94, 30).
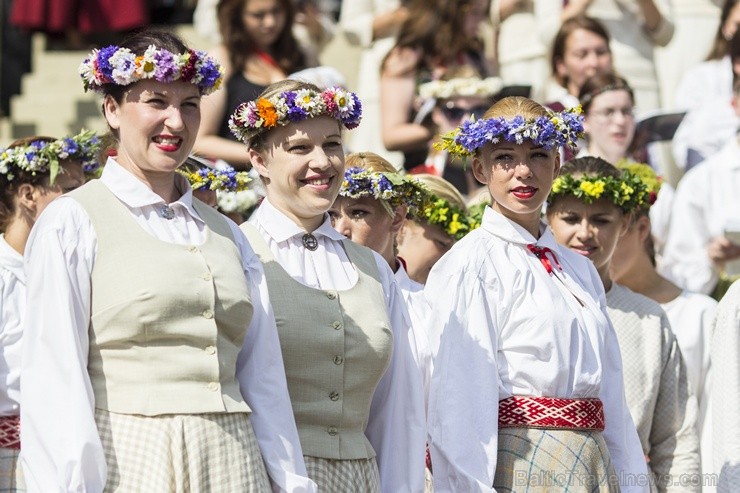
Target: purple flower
(104, 67)
(166, 66)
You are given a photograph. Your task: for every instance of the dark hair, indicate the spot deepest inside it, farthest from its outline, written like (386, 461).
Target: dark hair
(600, 83)
(437, 27)
(240, 44)
(138, 43)
(561, 38)
(721, 46)
(20, 177)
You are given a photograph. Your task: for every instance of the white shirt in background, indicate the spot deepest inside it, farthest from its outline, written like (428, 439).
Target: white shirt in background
(12, 307)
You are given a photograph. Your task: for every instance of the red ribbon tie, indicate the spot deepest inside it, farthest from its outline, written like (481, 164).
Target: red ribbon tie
(541, 253)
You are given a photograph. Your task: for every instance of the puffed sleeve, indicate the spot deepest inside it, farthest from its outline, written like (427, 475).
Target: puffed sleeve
(726, 401)
(463, 440)
(397, 427)
(62, 451)
(674, 441)
(261, 376)
(620, 433)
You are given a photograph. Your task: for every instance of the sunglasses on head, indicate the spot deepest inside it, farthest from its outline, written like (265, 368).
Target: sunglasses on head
(455, 113)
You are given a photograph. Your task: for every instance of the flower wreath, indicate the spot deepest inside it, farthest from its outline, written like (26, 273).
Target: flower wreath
(295, 106)
(226, 180)
(453, 220)
(41, 157)
(628, 192)
(120, 66)
(647, 174)
(460, 87)
(392, 189)
(554, 130)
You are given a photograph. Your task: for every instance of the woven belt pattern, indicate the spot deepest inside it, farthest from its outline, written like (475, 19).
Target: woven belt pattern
(10, 432)
(551, 412)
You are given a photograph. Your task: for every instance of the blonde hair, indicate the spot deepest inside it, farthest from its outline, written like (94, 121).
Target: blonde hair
(369, 161)
(443, 189)
(514, 106)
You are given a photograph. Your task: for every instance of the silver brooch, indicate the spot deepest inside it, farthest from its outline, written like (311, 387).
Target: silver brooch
(166, 212)
(310, 242)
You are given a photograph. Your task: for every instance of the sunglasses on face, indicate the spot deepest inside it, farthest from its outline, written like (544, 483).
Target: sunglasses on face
(456, 113)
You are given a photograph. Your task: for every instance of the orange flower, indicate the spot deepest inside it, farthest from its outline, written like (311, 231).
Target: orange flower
(267, 112)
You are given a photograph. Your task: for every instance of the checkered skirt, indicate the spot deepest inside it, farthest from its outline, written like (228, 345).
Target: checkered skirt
(344, 476)
(535, 460)
(215, 452)
(11, 472)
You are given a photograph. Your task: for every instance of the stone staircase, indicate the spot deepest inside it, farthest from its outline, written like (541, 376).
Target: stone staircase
(52, 101)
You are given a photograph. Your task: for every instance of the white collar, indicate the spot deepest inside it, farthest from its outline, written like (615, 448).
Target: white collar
(281, 228)
(135, 193)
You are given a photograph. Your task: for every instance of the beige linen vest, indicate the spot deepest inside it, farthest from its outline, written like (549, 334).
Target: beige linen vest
(167, 321)
(336, 347)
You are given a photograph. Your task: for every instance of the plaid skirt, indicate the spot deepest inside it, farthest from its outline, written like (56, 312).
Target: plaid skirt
(11, 472)
(180, 453)
(344, 476)
(534, 460)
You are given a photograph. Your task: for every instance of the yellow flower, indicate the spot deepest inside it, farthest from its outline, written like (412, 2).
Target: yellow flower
(455, 225)
(627, 191)
(557, 185)
(592, 189)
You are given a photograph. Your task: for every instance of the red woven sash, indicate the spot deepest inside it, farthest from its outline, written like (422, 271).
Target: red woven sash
(551, 412)
(10, 432)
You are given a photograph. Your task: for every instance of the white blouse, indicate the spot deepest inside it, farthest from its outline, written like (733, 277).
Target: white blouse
(396, 426)
(502, 326)
(61, 446)
(12, 306)
(705, 204)
(416, 303)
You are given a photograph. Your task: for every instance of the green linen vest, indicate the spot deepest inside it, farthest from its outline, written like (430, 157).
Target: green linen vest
(167, 321)
(336, 347)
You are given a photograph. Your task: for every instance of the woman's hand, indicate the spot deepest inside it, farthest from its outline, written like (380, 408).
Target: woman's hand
(721, 250)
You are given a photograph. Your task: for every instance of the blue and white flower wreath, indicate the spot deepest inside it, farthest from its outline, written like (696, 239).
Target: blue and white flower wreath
(392, 189)
(554, 130)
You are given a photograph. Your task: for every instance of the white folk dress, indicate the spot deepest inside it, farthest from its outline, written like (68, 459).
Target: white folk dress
(657, 388)
(502, 326)
(12, 307)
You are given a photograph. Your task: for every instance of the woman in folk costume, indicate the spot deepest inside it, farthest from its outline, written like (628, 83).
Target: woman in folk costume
(355, 390)
(33, 172)
(589, 209)
(690, 314)
(163, 370)
(523, 363)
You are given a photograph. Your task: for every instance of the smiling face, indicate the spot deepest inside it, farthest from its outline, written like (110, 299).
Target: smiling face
(156, 124)
(591, 230)
(302, 166)
(610, 125)
(586, 54)
(518, 177)
(366, 222)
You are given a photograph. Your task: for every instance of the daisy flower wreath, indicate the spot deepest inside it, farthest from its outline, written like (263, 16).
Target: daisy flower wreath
(462, 86)
(628, 192)
(120, 66)
(554, 130)
(295, 106)
(41, 157)
(227, 180)
(392, 189)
